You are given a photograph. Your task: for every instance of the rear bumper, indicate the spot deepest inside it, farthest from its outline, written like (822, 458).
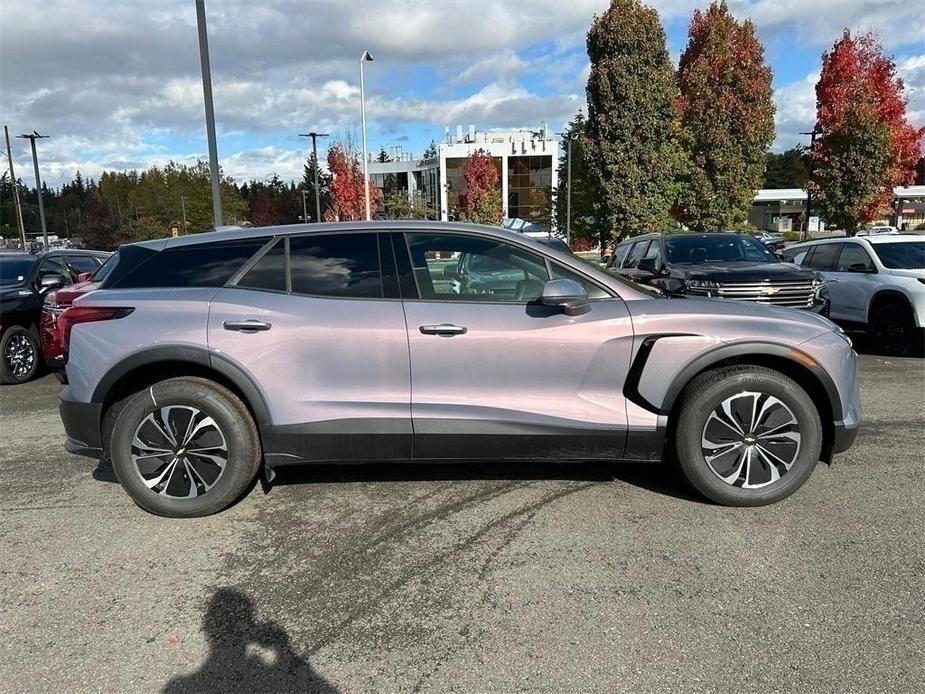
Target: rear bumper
(82, 425)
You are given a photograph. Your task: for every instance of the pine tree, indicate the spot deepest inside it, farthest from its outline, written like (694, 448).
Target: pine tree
(583, 218)
(726, 109)
(431, 151)
(308, 185)
(631, 141)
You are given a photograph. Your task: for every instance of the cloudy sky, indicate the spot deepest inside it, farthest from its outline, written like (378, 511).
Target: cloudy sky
(117, 84)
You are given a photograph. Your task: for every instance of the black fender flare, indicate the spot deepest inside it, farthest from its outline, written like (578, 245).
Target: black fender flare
(194, 356)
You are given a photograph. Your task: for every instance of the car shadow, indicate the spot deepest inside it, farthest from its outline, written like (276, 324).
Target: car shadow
(246, 655)
(661, 479)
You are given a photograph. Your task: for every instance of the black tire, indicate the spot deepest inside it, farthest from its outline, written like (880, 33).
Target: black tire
(235, 427)
(20, 355)
(701, 400)
(892, 328)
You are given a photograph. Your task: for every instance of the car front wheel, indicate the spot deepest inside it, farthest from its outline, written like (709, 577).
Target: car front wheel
(747, 435)
(184, 447)
(893, 330)
(19, 355)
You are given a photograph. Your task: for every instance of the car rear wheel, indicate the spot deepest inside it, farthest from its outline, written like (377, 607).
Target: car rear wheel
(893, 330)
(184, 447)
(747, 435)
(19, 355)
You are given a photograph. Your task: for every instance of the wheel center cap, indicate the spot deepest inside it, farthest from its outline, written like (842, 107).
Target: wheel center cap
(180, 452)
(750, 440)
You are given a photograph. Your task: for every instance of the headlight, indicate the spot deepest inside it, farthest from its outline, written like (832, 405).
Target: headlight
(702, 284)
(820, 289)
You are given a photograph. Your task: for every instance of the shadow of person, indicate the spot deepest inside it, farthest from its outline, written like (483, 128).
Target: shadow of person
(246, 655)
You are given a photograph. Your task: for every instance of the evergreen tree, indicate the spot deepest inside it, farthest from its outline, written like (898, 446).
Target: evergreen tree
(308, 185)
(584, 222)
(726, 109)
(431, 151)
(631, 142)
(786, 170)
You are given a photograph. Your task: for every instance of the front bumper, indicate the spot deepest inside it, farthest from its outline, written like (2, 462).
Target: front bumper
(82, 425)
(844, 436)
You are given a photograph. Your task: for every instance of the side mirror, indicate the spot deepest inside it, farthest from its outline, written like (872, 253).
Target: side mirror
(670, 285)
(648, 265)
(84, 276)
(567, 294)
(50, 281)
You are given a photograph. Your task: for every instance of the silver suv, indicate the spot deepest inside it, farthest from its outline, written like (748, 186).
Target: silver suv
(203, 357)
(875, 283)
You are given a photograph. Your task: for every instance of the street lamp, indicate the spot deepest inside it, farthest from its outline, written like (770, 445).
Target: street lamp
(365, 58)
(314, 137)
(210, 113)
(38, 181)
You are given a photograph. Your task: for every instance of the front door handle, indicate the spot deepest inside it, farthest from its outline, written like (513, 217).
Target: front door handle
(248, 325)
(444, 329)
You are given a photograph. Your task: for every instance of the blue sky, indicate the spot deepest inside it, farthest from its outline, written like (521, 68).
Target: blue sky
(117, 84)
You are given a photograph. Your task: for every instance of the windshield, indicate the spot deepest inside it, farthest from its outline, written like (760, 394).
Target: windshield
(721, 248)
(103, 270)
(15, 269)
(902, 255)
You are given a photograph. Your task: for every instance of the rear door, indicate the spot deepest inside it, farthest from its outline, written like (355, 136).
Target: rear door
(500, 375)
(317, 324)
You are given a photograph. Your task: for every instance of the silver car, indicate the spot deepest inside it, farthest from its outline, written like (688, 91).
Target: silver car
(204, 357)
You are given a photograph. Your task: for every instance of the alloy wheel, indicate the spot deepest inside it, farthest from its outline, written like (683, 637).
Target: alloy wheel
(891, 331)
(751, 440)
(179, 451)
(19, 355)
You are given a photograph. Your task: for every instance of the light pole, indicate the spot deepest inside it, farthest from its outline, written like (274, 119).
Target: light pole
(315, 137)
(38, 181)
(304, 206)
(9, 154)
(365, 58)
(210, 112)
(809, 198)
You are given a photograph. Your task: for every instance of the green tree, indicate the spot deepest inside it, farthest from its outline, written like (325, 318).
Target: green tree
(726, 109)
(308, 185)
(584, 220)
(631, 141)
(431, 151)
(786, 170)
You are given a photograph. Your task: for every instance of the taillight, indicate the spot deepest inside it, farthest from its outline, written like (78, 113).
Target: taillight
(73, 315)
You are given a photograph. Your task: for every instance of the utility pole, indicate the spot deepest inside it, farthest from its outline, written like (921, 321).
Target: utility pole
(38, 181)
(9, 154)
(210, 112)
(183, 211)
(809, 197)
(314, 137)
(365, 58)
(305, 206)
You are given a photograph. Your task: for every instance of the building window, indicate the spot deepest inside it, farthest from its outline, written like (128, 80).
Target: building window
(529, 181)
(456, 184)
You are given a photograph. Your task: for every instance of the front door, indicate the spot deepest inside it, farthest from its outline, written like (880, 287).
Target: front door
(316, 327)
(495, 373)
(852, 284)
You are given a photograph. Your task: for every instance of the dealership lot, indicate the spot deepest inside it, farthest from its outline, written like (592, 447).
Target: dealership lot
(509, 577)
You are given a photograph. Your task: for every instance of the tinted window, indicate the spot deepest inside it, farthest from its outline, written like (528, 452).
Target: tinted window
(15, 269)
(905, 254)
(620, 255)
(55, 266)
(823, 257)
(200, 265)
(336, 265)
(107, 267)
(654, 252)
(452, 267)
(269, 272)
(853, 257)
(638, 252)
(717, 248)
(82, 263)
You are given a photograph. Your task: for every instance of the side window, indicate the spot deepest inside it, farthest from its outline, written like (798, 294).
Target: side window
(451, 267)
(594, 292)
(654, 252)
(269, 272)
(82, 263)
(200, 265)
(620, 255)
(54, 266)
(638, 253)
(800, 257)
(853, 258)
(823, 257)
(338, 265)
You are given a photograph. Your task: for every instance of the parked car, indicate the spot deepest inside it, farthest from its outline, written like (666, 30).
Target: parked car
(24, 281)
(722, 265)
(203, 356)
(53, 306)
(876, 283)
(878, 231)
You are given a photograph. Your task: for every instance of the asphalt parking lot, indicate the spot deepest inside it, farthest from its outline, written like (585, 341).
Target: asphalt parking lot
(474, 578)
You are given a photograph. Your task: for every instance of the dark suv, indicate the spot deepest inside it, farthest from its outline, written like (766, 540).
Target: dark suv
(719, 266)
(203, 357)
(25, 279)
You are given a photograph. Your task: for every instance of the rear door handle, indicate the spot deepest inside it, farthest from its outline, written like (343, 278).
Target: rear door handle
(248, 325)
(445, 329)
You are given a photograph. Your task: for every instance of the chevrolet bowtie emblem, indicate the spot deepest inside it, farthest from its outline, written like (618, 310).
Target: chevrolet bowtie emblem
(769, 291)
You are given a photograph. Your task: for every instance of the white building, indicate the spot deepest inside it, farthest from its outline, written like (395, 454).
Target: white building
(526, 161)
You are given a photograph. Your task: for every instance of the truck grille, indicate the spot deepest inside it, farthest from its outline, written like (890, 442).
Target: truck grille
(795, 294)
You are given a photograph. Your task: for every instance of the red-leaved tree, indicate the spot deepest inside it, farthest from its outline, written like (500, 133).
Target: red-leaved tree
(482, 202)
(348, 202)
(865, 145)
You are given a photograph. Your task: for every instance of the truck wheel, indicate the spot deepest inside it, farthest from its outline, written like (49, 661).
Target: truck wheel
(893, 330)
(184, 447)
(747, 435)
(19, 355)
